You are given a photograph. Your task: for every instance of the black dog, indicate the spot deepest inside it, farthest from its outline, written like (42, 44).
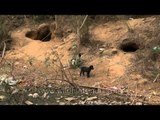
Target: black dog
(87, 70)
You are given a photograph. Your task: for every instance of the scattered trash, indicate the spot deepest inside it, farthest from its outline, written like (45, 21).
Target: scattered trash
(49, 85)
(74, 103)
(8, 80)
(127, 103)
(11, 81)
(44, 95)
(2, 78)
(101, 49)
(113, 103)
(61, 103)
(2, 98)
(15, 91)
(82, 102)
(47, 97)
(99, 102)
(70, 99)
(30, 95)
(138, 103)
(35, 95)
(28, 102)
(91, 98)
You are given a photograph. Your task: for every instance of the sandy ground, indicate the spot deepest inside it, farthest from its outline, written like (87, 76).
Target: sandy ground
(110, 69)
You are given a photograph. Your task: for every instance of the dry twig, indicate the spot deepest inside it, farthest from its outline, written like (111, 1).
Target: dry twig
(156, 78)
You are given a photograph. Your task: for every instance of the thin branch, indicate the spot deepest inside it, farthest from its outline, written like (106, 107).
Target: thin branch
(46, 36)
(62, 80)
(56, 21)
(83, 22)
(12, 70)
(135, 95)
(156, 78)
(65, 75)
(4, 49)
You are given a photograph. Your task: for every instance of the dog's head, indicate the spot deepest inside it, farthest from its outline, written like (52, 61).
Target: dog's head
(91, 67)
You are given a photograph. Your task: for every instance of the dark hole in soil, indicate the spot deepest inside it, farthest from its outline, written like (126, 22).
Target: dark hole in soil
(43, 34)
(32, 35)
(129, 47)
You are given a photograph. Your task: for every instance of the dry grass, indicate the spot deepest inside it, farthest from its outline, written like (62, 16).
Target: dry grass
(147, 61)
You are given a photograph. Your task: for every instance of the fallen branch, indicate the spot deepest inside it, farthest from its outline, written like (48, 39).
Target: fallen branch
(103, 89)
(62, 80)
(64, 73)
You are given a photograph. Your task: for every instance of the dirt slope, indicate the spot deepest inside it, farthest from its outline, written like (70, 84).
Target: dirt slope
(112, 65)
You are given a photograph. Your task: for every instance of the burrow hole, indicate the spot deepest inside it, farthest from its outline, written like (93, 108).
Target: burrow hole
(42, 34)
(129, 47)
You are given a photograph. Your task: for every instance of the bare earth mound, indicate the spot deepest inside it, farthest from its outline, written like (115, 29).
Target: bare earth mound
(113, 61)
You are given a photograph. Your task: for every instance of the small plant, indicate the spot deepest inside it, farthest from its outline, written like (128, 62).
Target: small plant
(156, 49)
(155, 52)
(76, 62)
(101, 53)
(74, 46)
(30, 60)
(47, 61)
